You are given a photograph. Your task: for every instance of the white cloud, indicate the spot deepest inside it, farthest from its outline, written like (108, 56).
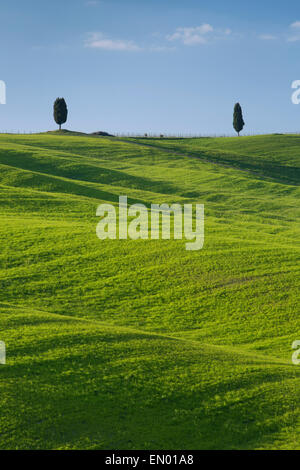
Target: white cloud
(191, 36)
(295, 25)
(294, 38)
(296, 32)
(161, 49)
(92, 3)
(198, 34)
(267, 37)
(99, 41)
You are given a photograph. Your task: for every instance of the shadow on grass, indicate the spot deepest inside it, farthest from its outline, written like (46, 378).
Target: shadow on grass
(129, 391)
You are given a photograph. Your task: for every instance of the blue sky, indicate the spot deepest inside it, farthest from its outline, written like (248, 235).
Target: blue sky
(156, 66)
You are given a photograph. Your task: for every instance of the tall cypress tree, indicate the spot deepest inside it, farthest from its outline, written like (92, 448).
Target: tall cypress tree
(60, 111)
(238, 121)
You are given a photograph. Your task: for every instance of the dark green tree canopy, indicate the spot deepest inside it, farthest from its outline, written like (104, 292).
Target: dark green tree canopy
(60, 111)
(238, 121)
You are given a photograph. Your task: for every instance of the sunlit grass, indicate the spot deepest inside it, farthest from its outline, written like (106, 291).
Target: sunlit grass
(141, 344)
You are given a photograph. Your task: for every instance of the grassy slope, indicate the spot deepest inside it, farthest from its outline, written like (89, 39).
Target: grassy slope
(274, 156)
(89, 324)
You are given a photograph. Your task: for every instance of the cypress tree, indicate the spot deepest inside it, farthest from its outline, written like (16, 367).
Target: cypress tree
(60, 111)
(238, 121)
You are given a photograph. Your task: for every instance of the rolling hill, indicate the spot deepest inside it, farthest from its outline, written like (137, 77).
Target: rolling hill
(126, 344)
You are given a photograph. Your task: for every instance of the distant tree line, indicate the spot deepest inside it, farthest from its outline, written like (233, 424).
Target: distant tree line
(60, 113)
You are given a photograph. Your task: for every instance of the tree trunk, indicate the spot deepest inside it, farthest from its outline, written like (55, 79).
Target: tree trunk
(60, 127)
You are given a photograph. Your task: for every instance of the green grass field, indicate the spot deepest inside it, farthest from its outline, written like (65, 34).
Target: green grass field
(141, 344)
